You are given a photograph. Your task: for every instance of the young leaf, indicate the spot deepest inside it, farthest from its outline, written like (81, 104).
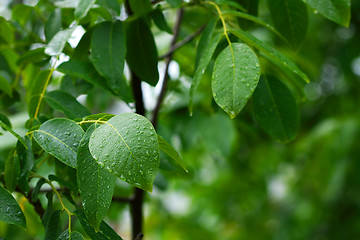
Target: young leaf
(12, 171)
(64, 102)
(53, 25)
(291, 19)
(127, 146)
(53, 226)
(209, 49)
(170, 151)
(335, 10)
(96, 184)
(235, 77)
(10, 211)
(60, 137)
(275, 109)
(273, 55)
(105, 232)
(57, 43)
(74, 236)
(83, 8)
(142, 55)
(108, 51)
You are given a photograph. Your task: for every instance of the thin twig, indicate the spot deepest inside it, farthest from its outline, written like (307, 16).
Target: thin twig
(166, 75)
(183, 42)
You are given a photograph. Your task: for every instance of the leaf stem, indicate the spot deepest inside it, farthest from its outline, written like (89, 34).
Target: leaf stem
(222, 20)
(44, 89)
(64, 208)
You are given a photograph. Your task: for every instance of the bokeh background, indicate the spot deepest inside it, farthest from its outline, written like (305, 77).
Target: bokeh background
(241, 184)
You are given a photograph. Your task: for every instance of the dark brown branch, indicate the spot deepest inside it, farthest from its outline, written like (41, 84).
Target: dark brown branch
(136, 203)
(183, 42)
(166, 75)
(122, 199)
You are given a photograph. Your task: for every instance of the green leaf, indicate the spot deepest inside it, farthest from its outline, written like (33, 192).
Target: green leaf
(174, 3)
(84, 70)
(110, 4)
(83, 8)
(231, 3)
(53, 25)
(291, 19)
(36, 55)
(96, 184)
(12, 171)
(206, 54)
(36, 189)
(36, 90)
(142, 55)
(251, 7)
(108, 51)
(64, 102)
(159, 20)
(21, 13)
(49, 209)
(204, 42)
(74, 236)
(26, 158)
(335, 10)
(170, 151)
(60, 137)
(5, 120)
(255, 20)
(53, 226)
(5, 86)
(235, 77)
(275, 109)
(272, 54)
(57, 43)
(6, 127)
(140, 7)
(127, 146)
(105, 233)
(10, 211)
(6, 32)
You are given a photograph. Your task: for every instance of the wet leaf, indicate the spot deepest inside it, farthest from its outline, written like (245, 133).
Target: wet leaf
(235, 77)
(127, 146)
(10, 211)
(60, 137)
(96, 184)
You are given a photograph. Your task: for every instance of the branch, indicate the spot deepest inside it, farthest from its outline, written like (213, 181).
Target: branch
(168, 60)
(182, 42)
(123, 199)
